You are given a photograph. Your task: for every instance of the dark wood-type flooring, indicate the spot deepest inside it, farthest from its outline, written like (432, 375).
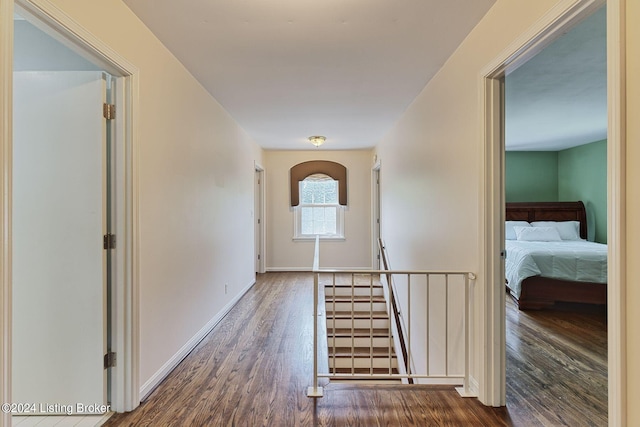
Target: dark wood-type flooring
(254, 368)
(557, 365)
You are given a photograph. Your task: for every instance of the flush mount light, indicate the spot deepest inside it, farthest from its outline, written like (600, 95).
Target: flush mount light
(317, 140)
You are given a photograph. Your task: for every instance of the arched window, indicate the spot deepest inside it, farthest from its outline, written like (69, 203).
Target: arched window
(318, 196)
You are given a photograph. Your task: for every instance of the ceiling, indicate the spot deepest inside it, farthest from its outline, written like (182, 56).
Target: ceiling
(558, 99)
(289, 69)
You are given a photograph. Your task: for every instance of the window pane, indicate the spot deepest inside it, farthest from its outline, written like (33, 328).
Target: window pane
(318, 220)
(318, 189)
(330, 220)
(306, 220)
(306, 192)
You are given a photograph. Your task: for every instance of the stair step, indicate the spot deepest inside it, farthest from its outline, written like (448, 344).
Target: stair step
(361, 306)
(360, 337)
(364, 323)
(349, 285)
(378, 371)
(358, 332)
(355, 298)
(360, 352)
(358, 341)
(357, 315)
(362, 362)
(356, 290)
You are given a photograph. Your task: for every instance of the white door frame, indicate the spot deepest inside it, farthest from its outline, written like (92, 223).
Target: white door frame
(491, 307)
(48, 17)
(259, 212)
(376, 215)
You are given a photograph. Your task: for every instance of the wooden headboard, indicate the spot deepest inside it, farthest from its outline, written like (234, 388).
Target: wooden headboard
(548, 211)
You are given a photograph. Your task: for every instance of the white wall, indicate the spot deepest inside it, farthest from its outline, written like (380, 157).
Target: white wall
(285, 254)
(196, 171)
(432, 159)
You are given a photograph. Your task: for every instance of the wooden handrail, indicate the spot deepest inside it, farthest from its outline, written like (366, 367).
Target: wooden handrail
(394, 308)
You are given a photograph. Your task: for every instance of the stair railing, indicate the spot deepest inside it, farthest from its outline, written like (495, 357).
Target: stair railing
(401, 333)
(434, 333)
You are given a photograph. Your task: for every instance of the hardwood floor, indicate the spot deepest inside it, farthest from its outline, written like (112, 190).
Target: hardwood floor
(254, 368)
(557, 366)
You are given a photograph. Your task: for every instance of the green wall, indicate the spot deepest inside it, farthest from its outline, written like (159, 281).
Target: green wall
(531, 176)
(582, 175)
(578, 173)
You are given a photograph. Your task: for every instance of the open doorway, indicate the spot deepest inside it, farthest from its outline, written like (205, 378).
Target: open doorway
(547, 29)
(62, 200)
(121, 380)
(555, 177)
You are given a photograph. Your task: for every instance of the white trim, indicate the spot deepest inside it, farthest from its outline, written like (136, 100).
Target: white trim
(6, 102)
(57, 23)
(492, 304)
(490, 308)
(376, 214)
(171, 364)
(261, 199)
(616, 205)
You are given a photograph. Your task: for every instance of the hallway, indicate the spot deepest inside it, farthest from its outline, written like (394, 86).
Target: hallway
(255, 366)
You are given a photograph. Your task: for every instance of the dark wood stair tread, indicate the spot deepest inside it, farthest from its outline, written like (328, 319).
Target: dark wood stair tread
(357, 315)
(349, 285)
(377, 371)
(355, 298)
(358, 332)
(360, 352)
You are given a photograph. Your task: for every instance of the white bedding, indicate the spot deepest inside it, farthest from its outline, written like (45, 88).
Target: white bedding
(579, 261)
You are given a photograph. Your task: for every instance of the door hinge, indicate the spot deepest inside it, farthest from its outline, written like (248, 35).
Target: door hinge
(258, 256)
(109, 111)
(109, 360)
(258, 220)
(109, 241)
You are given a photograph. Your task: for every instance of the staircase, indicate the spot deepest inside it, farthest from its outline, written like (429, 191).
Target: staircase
(358, 337)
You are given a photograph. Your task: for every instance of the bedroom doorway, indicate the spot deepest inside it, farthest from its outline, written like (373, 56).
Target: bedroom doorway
(556, 171)
(550, 27)
(556, 152)
(555, 162)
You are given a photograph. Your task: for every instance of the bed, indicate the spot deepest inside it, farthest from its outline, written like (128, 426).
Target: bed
(542, 272)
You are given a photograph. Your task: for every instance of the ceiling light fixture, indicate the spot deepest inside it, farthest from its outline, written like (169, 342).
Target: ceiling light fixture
(317, 140)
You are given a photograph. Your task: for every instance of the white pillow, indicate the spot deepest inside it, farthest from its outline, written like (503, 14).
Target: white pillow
(509, 232)
(538, 234)
(568, 230)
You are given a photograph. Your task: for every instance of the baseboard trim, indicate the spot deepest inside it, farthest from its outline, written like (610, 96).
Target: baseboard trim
(474, 387)
(155, 380)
